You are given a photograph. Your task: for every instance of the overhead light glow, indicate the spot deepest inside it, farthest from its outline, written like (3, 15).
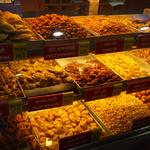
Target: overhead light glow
(144, 28)
(58, 34)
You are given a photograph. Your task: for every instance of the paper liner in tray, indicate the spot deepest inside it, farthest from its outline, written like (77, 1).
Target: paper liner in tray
(143, 66)
(64, 87)
(67, 141)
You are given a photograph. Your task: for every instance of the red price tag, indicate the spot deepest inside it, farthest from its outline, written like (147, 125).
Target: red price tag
(44, 102)
(76, 140)
(61, 49)
(102, 91)
(107, 46)
(143, 41)
(6, 52)
(83, 138)
(4, 108)
(138, 85)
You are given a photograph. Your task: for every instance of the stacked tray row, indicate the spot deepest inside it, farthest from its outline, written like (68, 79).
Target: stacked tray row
(53, 26)
(76, 124)
(37, 76)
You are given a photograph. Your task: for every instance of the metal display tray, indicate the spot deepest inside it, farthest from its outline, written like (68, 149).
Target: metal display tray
(143, 65)
(69, 138)
(83, 59)
(136, 31)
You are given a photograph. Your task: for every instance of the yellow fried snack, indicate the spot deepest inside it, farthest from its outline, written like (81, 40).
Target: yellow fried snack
(63, 122)
(119, 113)
(124, 65)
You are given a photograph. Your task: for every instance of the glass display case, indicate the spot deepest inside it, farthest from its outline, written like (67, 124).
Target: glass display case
(76, 80)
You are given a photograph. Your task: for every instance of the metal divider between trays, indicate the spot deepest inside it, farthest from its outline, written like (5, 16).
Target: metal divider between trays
(97, 119)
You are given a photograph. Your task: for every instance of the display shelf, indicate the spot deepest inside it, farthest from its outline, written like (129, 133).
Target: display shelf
(53, 49)
(41, 99)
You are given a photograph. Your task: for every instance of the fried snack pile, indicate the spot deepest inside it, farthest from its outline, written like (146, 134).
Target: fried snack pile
(38, 73)
(124, 65)
(90, 73)
(50, 23)
(12, 27)
(8, 82)
(144, 53)
(128, 21)
(119, 113)
(104, 25)
(144, 96)
(17, 134)
(61, 122)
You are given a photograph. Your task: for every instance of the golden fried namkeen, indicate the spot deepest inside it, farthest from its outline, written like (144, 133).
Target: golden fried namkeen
(119, 113)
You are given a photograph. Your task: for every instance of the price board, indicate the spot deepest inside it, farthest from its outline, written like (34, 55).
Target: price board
(136, 85)
(49, 101)
(109, 45)
(61, 49)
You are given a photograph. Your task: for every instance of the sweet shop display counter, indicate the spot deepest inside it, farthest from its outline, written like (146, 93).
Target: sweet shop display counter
(72, 82)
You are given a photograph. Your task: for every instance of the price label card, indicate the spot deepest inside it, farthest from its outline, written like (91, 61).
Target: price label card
(84, 47)
(80, 139)
(76, 140)
(15, 107)
(128, 43)
(98, 92)
(20, 51)
(138, 84)
(143, 41)
(61, 49)
(117, 88)
(44, 102)
(107, 46)
(5, 52)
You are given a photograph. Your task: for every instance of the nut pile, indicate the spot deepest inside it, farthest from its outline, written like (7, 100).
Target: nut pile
(144, 96)
(18, 133)
(124, 65)
(38, 73)
(61, 122)
(50, 23)
(90, 73)
(119, 113)
(144, 53)
(105, 25)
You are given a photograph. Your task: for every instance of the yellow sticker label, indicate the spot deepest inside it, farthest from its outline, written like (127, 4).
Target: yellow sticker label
(19, 51)
(15, 107)
(84, 47)
(128, 43)
(117, 88)
(68, 98)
